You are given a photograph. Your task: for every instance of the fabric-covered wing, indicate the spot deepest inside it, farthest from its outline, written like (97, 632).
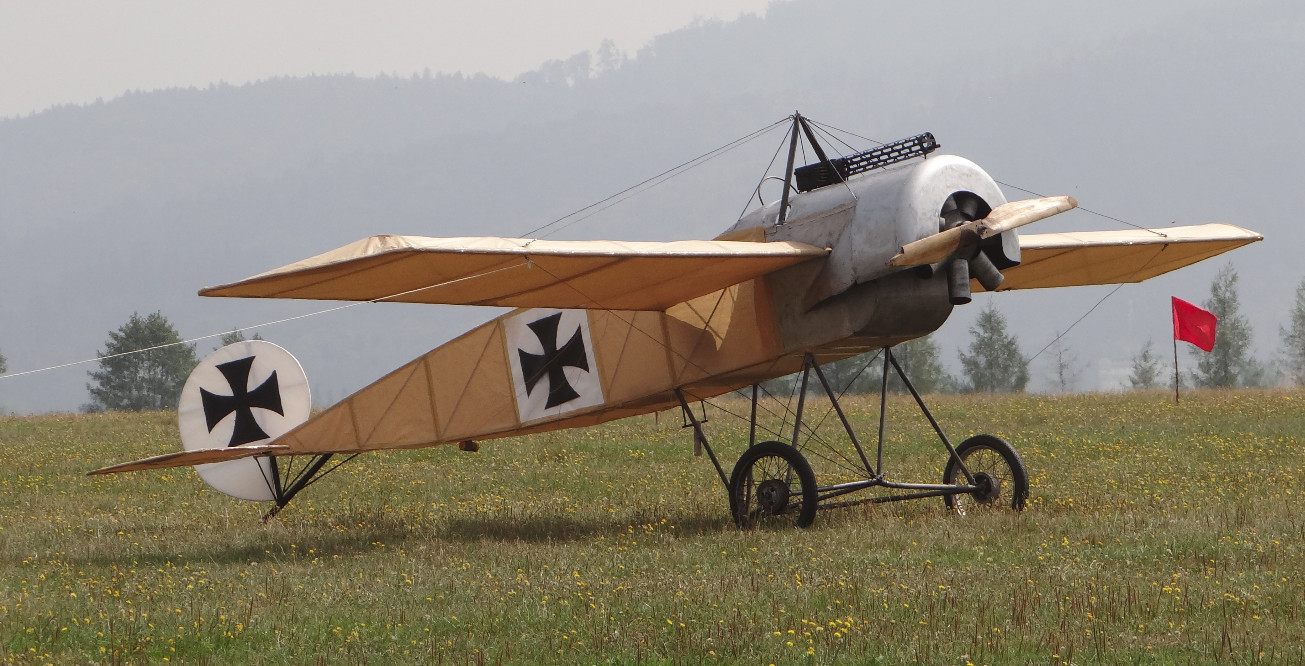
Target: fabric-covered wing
(519, 272)
(1111, 257)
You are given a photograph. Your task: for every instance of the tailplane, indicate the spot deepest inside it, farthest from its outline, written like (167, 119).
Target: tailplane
(242, 396)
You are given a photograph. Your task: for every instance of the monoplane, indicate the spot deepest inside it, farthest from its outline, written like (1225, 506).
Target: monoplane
(859, 253)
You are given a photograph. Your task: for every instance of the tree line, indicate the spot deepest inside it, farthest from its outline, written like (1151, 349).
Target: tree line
(129, 379)
(1231, 363)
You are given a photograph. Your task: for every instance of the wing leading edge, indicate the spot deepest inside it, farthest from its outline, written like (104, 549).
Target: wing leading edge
(1110, 257)
(520, 272)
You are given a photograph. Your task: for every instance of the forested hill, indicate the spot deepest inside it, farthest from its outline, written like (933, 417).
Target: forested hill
(1182, 111)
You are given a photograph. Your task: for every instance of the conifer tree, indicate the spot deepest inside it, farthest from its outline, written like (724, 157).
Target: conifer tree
(1146, 368)
(1064, 365)
(236, 335)
(922, 361)
(147, 380)
(994, 363)
(1293, 340)
(1229, 363)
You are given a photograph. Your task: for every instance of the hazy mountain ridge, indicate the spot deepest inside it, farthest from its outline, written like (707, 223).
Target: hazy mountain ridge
(135, 203)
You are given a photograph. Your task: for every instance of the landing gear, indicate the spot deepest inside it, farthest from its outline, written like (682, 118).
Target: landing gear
(286, 481)
(772, 483)
(1000, 479)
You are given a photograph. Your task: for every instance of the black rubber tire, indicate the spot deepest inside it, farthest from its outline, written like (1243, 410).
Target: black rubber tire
(995, 465)
(779, 465)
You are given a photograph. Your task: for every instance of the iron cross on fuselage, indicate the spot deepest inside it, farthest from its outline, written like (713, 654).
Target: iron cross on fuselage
(551, 363)
(242, 401)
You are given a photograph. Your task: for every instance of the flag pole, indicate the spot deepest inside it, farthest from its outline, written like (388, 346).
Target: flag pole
(1192, 324)
(1175, 370)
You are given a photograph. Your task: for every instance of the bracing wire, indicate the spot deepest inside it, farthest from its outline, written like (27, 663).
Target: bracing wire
(1076, 321)
(1003, 184)
(264, 324)
(811, 431)
(825, 131)
(1094, 307)
(756, 192)
(826, 128)
(647, 184)
(1084, 209)
(585, 213)
(172, 344)
(591, 209)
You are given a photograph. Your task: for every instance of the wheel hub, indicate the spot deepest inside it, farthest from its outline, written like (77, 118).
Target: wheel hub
(986, 488)
(772, 496)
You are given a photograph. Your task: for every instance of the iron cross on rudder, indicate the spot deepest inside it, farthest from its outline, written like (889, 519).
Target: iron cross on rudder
(242, 401)
(552, 362)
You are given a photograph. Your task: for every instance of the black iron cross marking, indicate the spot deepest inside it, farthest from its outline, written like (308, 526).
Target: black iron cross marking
(242, 401)
(535, 366)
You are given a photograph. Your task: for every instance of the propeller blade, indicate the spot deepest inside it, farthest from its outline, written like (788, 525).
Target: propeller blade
(935, 248)
(1019, 213)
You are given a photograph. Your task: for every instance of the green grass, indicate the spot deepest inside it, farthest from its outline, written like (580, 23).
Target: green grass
(1155, 534)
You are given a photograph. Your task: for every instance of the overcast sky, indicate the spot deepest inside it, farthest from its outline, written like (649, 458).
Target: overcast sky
(59, 52)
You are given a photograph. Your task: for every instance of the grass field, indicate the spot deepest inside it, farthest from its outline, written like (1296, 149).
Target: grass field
(1155, 534)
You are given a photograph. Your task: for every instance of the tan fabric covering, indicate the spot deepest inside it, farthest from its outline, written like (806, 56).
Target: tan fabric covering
(634, 356)
(463, 390)
(707, 344)
(1111, 257)
(517, 272)
(722, 332)
(198, 457)
(473, 388)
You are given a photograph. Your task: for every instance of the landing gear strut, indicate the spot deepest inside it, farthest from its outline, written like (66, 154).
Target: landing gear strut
(773, 483)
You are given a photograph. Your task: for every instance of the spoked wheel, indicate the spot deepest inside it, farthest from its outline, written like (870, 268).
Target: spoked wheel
(771, 484)
(999, 476)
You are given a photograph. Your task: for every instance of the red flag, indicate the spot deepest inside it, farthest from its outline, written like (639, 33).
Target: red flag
(1193, 324)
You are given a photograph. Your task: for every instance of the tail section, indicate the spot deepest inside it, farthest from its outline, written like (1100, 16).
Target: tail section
(243, 395)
